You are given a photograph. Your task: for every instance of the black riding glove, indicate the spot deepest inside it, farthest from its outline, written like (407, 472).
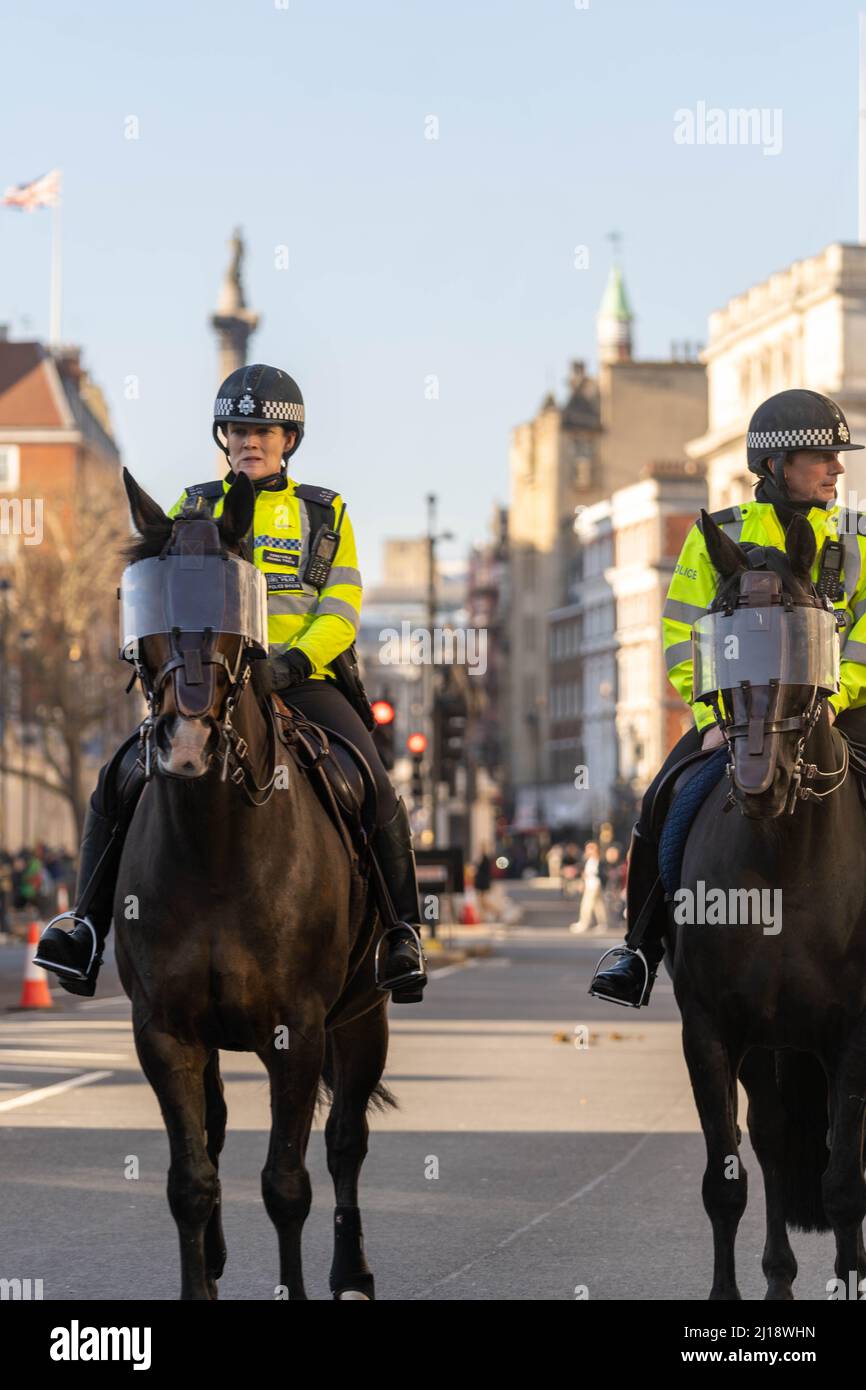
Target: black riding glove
(291, 669)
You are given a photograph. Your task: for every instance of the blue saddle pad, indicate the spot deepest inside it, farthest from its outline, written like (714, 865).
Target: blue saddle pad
(685, 807)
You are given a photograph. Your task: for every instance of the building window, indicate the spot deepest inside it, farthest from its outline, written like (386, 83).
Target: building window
(9, 467)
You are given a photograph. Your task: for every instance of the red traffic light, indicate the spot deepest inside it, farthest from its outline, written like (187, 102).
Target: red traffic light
(416, 743)
(383, 711)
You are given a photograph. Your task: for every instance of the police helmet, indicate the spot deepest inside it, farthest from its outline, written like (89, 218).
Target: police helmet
(263, 395)
(794, 420)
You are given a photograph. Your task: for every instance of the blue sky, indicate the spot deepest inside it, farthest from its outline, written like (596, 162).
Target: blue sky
(407, 257)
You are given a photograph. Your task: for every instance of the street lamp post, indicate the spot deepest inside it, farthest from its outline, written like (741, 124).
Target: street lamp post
(429, 673)
(26, 639)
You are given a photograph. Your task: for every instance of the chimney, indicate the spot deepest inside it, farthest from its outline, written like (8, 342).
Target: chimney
(577, 375)
(68, 359)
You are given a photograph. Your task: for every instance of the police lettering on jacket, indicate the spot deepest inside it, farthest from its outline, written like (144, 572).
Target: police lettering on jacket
(321, 624)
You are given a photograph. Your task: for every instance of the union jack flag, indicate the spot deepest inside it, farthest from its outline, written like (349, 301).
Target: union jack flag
(43, 192)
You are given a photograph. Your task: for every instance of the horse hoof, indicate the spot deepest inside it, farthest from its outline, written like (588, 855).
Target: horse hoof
(352, 1293)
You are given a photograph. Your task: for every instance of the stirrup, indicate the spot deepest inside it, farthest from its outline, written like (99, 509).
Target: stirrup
(410, 978)
(70, 970)
(649, 976)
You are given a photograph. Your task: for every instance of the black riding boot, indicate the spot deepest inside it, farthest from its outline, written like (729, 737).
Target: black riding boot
(77, 955)
(399, 956)
(629, 978)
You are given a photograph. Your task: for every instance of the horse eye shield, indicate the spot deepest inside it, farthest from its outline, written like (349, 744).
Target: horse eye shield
(192, 592)
(764, 643)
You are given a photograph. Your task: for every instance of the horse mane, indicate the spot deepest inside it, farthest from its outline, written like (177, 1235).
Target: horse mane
(146, 546)
(151, 542)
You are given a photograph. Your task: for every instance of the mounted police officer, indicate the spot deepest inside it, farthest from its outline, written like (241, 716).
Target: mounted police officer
(304, 543)
(793, 445)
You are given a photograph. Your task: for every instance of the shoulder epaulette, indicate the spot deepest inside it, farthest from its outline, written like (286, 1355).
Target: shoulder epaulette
(723, 517)
(310, 493)
(211, 489)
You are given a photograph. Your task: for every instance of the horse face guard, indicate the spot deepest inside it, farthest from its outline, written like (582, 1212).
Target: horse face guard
(759, 642)
(192, 594)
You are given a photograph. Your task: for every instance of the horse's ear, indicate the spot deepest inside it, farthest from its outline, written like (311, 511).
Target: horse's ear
(800, 546)
(726, 557)
(237, 513)
(146, 514)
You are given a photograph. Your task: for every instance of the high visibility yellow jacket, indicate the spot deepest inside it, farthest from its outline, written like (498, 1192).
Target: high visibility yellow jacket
(693, 588)
(321, 624)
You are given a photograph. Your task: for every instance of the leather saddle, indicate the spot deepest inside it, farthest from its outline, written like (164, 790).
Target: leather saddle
(339, 772)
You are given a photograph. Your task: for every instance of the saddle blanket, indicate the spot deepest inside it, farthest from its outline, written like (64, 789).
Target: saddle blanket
(678, 822)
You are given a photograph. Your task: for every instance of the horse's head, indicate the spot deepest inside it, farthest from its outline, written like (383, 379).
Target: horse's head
(193, 618)
(766, 655)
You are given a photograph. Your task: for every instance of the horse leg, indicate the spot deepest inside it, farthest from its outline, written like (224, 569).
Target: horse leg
(714, 1082)
(175, 1071)
(215, 1128)
(843, 1186)
(356, 1059)
(767, 1129)
(294, 1075)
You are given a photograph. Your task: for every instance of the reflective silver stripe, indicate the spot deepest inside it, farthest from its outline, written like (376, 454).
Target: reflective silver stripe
(858, 610)
(680, 651)
(340, 607)
(683, 612)
(851, 563)
(281, 604)
(854, 651)
(344, 574)
(734, 529)
(305, 533)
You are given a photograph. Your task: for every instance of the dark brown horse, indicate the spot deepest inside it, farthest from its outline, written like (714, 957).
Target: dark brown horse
(777, 997)
(242, 923)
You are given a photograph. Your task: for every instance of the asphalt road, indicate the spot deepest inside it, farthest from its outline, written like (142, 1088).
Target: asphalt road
(563, 1170)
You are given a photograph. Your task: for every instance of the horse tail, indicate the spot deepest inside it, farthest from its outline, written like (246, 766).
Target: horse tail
(802, 1087)
(381, 1098)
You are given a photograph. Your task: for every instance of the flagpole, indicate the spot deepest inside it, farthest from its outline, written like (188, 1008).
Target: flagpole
(54, 334)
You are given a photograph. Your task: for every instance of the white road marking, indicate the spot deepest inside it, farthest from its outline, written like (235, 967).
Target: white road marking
(45, 1091)
(543, 1216)
(33, 1066)
(449, 969)
(61, 1054)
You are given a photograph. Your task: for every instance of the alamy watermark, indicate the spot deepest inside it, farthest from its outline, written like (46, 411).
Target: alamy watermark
(729, 907)
(716, 125)
(443, 646)
(22, 516)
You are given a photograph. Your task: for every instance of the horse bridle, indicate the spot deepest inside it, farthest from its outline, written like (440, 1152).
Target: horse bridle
(757, 729)
(232, 748)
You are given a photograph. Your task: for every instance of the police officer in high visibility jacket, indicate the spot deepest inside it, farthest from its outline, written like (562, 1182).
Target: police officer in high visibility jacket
(259, 424)
(793, 445)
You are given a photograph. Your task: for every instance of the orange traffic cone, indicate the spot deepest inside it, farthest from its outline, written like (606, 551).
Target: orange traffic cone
(469, 914)
(34, 991)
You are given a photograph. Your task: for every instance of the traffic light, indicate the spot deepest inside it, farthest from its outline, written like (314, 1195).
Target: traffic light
(383, 734)
(417, 744)
(450, 714)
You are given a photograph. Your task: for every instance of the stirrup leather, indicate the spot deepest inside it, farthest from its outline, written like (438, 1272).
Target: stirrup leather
(649, 976)
(69, 969)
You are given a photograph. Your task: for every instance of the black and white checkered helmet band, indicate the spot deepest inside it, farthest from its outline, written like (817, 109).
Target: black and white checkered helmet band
(250, 407)
(793, 439)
